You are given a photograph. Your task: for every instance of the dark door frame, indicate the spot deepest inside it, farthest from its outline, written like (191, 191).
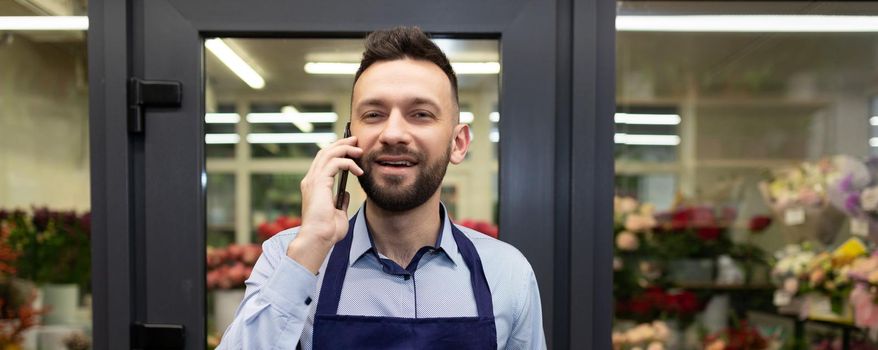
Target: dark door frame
(556, 165)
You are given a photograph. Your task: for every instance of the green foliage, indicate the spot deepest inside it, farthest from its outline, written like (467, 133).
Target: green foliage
(54, 246)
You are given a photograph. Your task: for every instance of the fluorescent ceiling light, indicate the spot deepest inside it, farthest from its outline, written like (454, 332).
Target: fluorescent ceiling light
(43, 22)
(873, 142)
(476, 67)
(222, 118)
(312, 117)
(293, 113)
(228, 57)
(647, 140)
(460, 68)
(648, 119)
(748, 23)
(317, 138)
(467, 117)
(331, 68)
(220, 139)
(494, 117)
(494, 136)
(874, 120)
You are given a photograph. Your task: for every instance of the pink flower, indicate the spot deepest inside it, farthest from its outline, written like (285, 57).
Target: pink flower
(627, 241)
(627, 205)
(251, 253)
(867, 310)
(635, 223)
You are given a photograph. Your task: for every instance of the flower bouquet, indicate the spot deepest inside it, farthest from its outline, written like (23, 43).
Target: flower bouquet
(227, 270)
(817, 284)
(864, 296)
(646, 336)
(53, 246)
(229, 267)
(635, 266)
(743, 336)
(658, 303)
(17, 297)
(689, 239)
(855, 193)
(485, 227)
(799, 199)
(267, 230)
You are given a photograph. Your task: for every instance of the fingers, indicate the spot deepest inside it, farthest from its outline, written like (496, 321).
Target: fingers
(345, 147)
(338, 164)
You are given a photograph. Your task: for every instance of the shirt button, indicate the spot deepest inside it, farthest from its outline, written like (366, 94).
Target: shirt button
(308, 301)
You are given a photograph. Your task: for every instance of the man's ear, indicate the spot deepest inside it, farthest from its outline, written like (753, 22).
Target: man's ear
(459, 143)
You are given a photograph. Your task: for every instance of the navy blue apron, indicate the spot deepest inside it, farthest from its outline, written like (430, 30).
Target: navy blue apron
(333, 331)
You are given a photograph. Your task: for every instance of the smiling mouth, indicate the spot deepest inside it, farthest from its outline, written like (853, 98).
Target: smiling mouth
(397, 164)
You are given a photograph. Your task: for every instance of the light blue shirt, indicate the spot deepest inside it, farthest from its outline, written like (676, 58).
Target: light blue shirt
(281, 297)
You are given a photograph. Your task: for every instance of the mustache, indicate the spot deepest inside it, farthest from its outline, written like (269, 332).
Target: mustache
(396, 150)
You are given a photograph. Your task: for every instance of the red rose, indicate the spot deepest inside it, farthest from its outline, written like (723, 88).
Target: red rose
(287, 222)
(709, 233)
(759, 223)
(267, 230)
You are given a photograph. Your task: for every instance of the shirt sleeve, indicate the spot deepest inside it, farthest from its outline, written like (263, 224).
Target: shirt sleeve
(527, 328)
(276, 302)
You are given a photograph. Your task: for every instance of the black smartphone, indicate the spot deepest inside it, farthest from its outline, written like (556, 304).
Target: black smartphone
(343, 181)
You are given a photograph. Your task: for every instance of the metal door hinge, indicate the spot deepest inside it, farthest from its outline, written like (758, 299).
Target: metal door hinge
(153, 336)
(150, 93)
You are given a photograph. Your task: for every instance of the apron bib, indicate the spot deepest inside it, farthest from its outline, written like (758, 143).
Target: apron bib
(333, 331)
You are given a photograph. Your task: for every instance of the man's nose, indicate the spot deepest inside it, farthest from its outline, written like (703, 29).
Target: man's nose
(395, 129)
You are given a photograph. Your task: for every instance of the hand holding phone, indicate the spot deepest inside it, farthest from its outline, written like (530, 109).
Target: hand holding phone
(343, 180)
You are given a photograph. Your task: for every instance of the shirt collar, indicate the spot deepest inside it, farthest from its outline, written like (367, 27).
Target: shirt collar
(362, 242)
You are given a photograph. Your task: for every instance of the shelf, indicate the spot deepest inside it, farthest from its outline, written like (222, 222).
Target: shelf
(746, 163)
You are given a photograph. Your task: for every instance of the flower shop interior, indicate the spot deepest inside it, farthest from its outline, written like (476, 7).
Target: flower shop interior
(746, 208)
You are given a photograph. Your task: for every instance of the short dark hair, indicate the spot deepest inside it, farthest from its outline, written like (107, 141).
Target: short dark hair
(405, 42)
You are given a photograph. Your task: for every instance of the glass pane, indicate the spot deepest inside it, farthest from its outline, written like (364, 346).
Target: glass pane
(742, 145)
(261, 138)
(45, 204)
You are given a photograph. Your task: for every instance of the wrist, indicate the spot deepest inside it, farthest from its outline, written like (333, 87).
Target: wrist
(309, 251)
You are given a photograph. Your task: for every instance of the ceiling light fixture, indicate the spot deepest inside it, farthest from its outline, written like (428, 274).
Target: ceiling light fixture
(647, 119)
(293, 114)
(469, 68)
(310, 117)
(343, 68)
(222, 118)
(748, 23)
(494, 136)
(235, 63)
(44, 23)
(467, 117)
(318, 138)
(221, 139)
(874, 120)
(494, 117)
(647, 140)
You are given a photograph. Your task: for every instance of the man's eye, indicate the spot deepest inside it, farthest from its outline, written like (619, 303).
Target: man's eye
(423, 115)
(372, 115)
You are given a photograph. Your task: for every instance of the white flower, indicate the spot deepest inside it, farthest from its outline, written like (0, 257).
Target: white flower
(869, 199)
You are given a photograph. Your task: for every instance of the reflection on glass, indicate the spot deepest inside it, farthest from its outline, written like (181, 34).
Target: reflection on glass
(261, 138)
(726, 175)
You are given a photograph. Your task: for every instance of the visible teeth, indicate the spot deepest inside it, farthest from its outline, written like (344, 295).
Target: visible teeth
(399, 163)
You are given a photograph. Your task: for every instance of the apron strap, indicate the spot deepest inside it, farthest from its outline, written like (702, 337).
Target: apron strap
(481, 290)
(336, 269)
(333, 276)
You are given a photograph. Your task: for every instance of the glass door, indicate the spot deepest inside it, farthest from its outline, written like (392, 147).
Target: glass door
(217, 170)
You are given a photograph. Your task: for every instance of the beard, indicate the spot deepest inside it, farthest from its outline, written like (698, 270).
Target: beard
(393, 196)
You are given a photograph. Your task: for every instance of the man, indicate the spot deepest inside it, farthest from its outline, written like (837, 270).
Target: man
(399, 274)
